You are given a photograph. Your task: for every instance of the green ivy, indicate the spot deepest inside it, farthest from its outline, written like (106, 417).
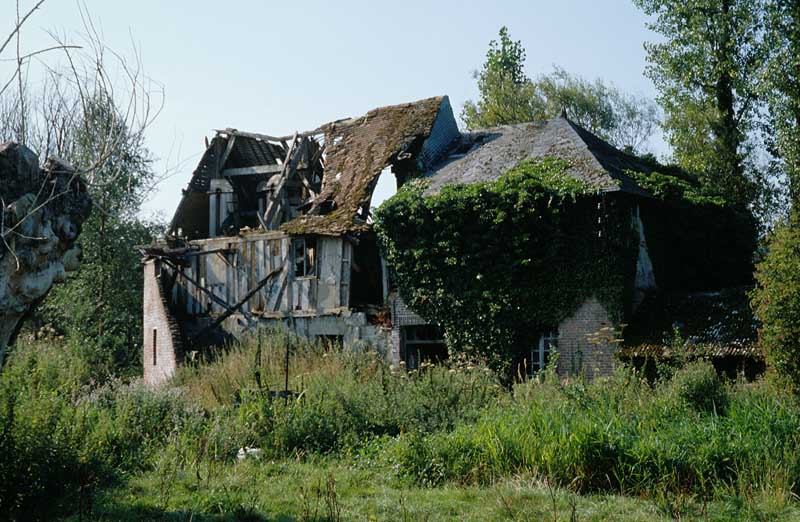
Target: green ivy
(673, 188)
(495, 263)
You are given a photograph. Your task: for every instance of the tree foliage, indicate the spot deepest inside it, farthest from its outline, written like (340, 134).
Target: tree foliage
(781, 89)
(508, 96)
(776, 300)
(100, 306)
(707, 70)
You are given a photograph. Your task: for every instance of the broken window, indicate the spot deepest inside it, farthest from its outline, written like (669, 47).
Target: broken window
(540, 355)
(304, 257)
(217, 212)
(422, 343)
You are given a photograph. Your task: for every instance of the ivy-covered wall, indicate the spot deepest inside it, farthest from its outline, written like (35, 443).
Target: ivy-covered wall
(697, 242)
(496, 263)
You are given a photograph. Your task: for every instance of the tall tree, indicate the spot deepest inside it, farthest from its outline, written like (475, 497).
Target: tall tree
(508, 96)
(781, 89)
(707, 72)
(74, 110)
(100, 305)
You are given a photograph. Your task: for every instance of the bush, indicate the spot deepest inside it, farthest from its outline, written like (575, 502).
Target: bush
(776, 300)
(699, 385)
(59, 440)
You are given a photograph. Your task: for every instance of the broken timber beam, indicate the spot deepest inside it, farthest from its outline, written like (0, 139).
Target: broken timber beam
(260, 169)
(272, 206)
(222, 303)
(232, 310)
(265, 137)
(225, 155)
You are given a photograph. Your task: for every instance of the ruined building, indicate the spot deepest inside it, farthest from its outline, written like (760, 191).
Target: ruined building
(278, 230)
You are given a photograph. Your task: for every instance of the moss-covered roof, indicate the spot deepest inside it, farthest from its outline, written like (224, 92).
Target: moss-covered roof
(485, 155)
(357, 150)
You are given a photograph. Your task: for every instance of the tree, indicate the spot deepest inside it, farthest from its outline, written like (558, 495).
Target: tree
(100, 305)
(776, 300)
(78, 113)
(781, 89)
(508, 96)
(707, 72)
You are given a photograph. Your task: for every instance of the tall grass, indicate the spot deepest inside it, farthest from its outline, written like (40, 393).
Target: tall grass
(690, 435)
(340, 398)
(60, 438)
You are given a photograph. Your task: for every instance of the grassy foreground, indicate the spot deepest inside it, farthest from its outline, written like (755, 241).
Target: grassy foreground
(361, 440)
(331, 490)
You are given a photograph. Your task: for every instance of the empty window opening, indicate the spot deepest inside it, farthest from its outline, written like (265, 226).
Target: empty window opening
(542, 351)
(366, 275)
(422, 344)
(155, 346)
(305, 257)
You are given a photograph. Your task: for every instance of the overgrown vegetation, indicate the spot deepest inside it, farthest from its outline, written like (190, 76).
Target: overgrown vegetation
(494, 263)
(361, 438)
(776, 300)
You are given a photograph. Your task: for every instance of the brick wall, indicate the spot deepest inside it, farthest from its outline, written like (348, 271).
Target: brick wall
(578, 354)
(401, 316)
(159, 326)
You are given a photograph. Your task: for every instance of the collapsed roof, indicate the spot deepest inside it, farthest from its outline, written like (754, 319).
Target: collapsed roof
(416, 139)
(358, 150)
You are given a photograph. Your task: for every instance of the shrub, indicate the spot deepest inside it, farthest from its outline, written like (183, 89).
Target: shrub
(59, 440)
(699, 385)
(776, 300)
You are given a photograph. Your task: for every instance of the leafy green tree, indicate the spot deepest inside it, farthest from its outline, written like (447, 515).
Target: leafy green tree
(99, 308)
(781, 90)
(707, 71)
(776, 300)
(508, 96)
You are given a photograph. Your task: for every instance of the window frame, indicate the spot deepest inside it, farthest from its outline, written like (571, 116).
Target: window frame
(545, 346)
(309, 251)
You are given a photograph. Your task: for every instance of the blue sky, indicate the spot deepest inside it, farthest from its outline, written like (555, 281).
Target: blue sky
(277, 67)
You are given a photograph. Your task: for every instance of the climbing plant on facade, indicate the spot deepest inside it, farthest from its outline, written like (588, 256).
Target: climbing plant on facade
(496, 263)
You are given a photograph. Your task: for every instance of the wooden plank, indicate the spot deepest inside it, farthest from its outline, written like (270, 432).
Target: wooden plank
(272, 206)
(207, 292)
(232, 310)
(227, 153)
(259, 169)
(266, 137)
